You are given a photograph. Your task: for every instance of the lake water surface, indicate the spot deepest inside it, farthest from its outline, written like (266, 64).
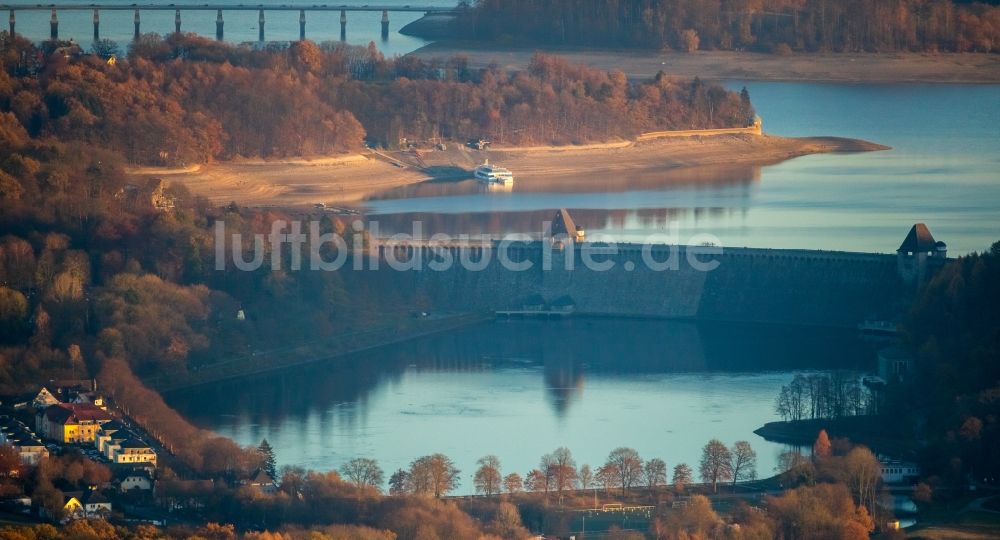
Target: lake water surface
(240, 26)
(943, 170)
(522, 389)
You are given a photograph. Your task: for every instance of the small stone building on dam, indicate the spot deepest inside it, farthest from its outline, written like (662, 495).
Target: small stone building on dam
(566, 272)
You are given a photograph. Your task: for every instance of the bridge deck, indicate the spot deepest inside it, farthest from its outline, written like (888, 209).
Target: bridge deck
(224, 7)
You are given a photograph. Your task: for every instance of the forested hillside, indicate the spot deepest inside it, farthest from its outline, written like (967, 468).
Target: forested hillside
(764, 25)
(186, 99)
(953, 330)
(103, 276)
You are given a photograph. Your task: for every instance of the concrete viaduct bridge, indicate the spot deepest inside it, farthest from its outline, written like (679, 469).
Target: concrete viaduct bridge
(218, 9)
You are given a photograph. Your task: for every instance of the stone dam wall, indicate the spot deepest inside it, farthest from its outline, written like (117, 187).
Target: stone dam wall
(746, 285)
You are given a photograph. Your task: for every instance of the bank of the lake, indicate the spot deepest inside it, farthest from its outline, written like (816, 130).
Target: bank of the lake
(521, 389)
(867, 68)
(352, 178)
(881, 433)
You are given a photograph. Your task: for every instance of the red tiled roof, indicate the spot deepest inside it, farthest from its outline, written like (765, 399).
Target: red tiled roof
(74, 413)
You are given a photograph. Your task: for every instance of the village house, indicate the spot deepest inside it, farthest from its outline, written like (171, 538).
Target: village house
(95, 504)
(122, 446)
(79, 505)
(37, 400)
(105, 433)
(71, 422)
(43, 399)
(28, 446)
(77, 391)
(131, 451)
(132, 480)
(71, 506)
(262, 481)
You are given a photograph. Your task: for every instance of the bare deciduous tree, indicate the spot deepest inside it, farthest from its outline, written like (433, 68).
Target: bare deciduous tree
(513, 483)
(432, 475)
(655, 473)
(716, 464)
(743, 462)
(364, 473)
(682, 476)
(488, 477)
(559, 468)
(628, 465)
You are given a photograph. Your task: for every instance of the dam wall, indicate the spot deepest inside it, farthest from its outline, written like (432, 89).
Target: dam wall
(744, 285)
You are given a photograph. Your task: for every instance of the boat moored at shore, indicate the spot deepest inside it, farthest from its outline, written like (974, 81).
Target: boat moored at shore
(493, 174)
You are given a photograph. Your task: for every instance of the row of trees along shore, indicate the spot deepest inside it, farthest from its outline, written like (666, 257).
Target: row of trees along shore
(558, 473)
(834, 493)
(824, 395)
(185, 99)
(761, 25)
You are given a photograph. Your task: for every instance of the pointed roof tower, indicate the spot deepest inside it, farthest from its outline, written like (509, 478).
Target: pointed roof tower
(563, 223)
(919, 239)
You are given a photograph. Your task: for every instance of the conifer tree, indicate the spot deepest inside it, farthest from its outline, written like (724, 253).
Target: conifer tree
(269, 465)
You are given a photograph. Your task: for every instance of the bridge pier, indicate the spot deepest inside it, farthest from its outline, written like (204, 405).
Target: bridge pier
(302, 25)
(177, 21)
(260, 26)
(54, 25)
(136, 36)
(12, 21)
(343, 25)
(385, 25)
(218, 26)
(97, 24)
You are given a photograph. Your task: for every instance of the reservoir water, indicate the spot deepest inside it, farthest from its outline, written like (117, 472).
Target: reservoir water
(522, 389)
(363, 27)
(943, 170)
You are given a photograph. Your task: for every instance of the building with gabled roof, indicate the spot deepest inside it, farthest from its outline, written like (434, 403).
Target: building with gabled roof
(134, 479)
(120, 445)
(95, 504)
(132, 450)
(27, 445)
(44, 399)
(262, 481)
(71, 422)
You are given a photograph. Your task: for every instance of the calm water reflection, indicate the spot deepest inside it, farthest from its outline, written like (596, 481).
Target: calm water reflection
(521, 389)
(944, 170)
(240, 26)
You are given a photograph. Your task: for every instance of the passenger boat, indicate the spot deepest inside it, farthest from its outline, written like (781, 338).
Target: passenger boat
(493, 174)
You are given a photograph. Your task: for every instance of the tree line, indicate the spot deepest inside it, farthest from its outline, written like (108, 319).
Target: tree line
(95, 281)
(833, 493)
(823, 395)
(184, 99)
(436, 475)
(952, 402)
(761, 25)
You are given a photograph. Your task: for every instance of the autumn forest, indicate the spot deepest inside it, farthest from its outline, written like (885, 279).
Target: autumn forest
(779, 26)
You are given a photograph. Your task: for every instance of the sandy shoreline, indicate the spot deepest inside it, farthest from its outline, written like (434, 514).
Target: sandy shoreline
(887, 68)
(349, 179)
